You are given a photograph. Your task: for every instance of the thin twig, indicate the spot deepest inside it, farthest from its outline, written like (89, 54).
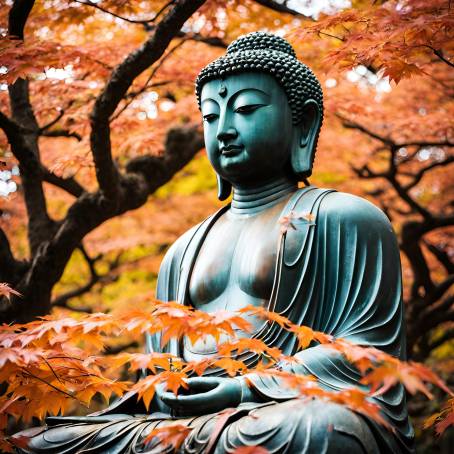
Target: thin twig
(133, 95)
(52, 370)
(126, 19)
(26, 372)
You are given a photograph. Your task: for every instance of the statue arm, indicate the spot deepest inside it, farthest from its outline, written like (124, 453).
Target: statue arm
(348, 286)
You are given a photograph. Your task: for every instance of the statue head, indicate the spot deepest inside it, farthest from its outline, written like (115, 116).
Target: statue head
(262, 111)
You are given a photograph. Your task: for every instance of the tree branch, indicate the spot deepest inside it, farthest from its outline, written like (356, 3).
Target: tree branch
(405, 196)
(95, 278)
(70, 185)
(438, 292)
(25, 146)
(63, 303)
(445, 337)
(62, 300)
(133, 95)
(441, 256)
(10, 268)
(426, 143)
(439, 317)
(366, 172)
(350, 124)
(144, 175)
(31, 176)
(419, 175)
(280, 7)
(52, 122)
(421, 273)
(119, 83)
(145, 22)
(438, 53)
(390, 174)
(115, 349)
(61, 133)
(149, 25)
(213, 41)
(181, 146)
(18, 16)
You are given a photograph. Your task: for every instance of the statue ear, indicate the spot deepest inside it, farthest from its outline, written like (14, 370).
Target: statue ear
(224, 188)
(305, 139)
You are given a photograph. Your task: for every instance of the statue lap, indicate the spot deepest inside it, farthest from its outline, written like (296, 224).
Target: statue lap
(293, 426)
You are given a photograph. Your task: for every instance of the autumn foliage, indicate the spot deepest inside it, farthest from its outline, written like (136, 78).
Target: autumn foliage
(102, 168)
(51, 363)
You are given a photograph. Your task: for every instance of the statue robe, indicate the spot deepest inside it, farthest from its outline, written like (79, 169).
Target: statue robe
(340, 275)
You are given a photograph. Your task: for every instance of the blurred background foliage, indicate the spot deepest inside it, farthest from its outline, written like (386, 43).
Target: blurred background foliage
(387, 73)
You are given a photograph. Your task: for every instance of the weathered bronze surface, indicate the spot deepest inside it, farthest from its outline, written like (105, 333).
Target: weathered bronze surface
(339, 274)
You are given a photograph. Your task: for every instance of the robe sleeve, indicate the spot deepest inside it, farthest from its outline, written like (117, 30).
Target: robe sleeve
(346, 282)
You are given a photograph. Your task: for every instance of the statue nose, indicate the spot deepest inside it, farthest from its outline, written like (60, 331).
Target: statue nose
(227, 134)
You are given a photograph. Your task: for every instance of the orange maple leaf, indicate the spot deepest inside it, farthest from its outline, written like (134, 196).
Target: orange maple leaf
(172, 435)
(7, 291)
(251, 450)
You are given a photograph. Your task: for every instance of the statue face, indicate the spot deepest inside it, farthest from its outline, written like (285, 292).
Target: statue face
(247, 126)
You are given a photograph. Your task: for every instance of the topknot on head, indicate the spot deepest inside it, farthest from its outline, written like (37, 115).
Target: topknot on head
(271, 54)
(261, 40)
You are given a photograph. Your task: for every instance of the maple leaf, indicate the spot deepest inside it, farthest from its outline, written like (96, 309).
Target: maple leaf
(198, 367)
(282, 321)
(288, 221)
(171, 435)
(251, 450)
(7, 291)
(446, 422)
(232, 366)
(221, 421)
(145, 388)
(175, 380)
(151, 361)
(358, 401)
(35, 56)
(442, 419)
(58, 373)
(305, 336)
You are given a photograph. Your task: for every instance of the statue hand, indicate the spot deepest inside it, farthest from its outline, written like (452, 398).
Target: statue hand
(205, 395)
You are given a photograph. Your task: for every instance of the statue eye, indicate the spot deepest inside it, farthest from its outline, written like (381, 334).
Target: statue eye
(210, 117)
(249, 108)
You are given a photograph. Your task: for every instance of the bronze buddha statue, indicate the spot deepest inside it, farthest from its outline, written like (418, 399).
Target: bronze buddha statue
(262, 111)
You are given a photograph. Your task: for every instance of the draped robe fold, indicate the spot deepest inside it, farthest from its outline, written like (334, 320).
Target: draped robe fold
(340, 275)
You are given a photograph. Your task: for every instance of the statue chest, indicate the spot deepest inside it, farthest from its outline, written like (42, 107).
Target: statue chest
(236, 264)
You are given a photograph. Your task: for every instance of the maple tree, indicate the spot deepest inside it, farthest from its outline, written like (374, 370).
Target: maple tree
(98, 113)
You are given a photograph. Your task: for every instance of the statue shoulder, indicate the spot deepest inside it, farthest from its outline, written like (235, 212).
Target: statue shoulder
(349, 209)
(335, 213)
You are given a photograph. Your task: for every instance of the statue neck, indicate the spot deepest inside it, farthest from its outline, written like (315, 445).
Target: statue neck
(252, 200)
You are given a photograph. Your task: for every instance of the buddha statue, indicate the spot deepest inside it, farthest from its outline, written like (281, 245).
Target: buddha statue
(338, 272)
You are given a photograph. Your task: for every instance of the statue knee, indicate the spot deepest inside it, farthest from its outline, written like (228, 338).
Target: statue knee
(336, 428)
(302, 427)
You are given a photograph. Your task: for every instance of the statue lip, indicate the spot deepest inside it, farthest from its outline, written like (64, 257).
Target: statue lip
(231, 150)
